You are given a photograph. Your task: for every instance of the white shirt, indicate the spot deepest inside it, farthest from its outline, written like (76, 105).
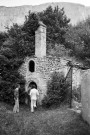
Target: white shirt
(34, 93)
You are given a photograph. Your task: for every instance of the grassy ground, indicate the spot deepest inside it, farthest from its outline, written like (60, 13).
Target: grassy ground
(60, 121)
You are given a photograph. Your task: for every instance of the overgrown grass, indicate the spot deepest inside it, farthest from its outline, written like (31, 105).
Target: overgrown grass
(60, 121)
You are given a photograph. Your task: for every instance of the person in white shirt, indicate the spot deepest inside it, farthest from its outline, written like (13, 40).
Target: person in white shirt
(34, 94)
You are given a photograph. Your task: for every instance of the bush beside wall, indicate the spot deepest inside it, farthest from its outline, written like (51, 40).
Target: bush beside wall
(57, 90)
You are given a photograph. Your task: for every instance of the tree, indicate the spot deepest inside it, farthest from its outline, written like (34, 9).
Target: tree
(9, 77)
(3, 37)
(73, 41)
(78, 39)
(56, 22)
(18, 41)
(30, 26)
(10, 61)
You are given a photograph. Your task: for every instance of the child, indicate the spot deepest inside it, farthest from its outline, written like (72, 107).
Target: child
(16, 98)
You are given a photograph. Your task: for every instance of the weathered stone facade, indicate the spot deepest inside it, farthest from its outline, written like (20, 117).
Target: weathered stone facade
(43, 68)
(39, 68)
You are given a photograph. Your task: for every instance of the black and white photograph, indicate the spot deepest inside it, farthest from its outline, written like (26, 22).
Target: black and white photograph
(44, 67)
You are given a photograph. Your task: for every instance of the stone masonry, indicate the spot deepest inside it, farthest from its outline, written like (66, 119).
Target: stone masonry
(85, 95)
(39, 67)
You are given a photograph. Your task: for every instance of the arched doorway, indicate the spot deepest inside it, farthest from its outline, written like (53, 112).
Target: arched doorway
(32, 83)
(30, 86)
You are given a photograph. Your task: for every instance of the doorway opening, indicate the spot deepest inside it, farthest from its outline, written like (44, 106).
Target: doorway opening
(33, 85)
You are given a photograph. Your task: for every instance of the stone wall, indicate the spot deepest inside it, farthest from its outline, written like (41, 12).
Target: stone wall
(44, 67)
(48, 65)
(85, 95)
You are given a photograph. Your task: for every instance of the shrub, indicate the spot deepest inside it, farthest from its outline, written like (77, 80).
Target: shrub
(57, 90)
(7, 91)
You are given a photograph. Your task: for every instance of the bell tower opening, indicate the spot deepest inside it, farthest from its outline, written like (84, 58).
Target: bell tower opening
(31, 66)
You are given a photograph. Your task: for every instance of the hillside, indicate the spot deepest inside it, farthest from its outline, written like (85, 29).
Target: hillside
(10, 15)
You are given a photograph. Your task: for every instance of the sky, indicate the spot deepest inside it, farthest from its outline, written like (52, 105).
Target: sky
(11, 3)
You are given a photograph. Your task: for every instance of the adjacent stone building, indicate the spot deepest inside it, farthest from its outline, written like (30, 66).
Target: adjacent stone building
(38, 68)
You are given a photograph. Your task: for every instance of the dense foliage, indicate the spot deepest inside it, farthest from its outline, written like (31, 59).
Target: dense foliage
(78, 40)
(9, 78)
(57, 90)
(56, 22)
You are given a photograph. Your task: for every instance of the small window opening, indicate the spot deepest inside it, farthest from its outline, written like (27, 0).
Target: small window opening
(31, 66)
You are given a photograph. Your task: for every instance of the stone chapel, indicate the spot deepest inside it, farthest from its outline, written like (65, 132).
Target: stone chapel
(39, 67)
